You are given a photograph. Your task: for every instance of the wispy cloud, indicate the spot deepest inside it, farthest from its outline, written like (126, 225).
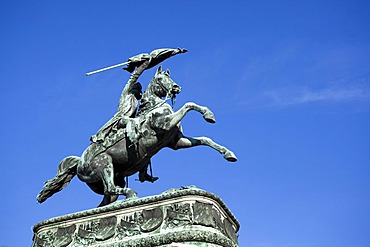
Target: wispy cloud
(306, 96)
(299, 74)
(288, 97)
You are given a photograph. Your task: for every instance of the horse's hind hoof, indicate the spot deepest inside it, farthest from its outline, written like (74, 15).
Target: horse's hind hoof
(230, 156)
(130, 193)
(209, 117)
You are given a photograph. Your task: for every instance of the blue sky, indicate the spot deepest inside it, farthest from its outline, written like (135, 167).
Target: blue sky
(288, 81)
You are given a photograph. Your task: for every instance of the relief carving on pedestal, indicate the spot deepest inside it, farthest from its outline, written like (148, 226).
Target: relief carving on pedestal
(203, 214)
(178, 214)
(85, 234)
(44, 238)
(130, 225)
(152, 225)
(152, 219)
(96, 230)
(230, 231)
(218, 220)
(63, 235)
(106, 228)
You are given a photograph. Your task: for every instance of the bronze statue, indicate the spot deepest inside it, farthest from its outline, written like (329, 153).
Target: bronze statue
(126, 143)
(127, 107)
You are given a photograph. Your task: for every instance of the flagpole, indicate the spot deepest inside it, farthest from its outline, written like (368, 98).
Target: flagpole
(106, 68)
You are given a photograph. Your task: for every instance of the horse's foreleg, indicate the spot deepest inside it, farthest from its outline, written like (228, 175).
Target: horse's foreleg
(187, 142)
(207, 113)
(167, 122)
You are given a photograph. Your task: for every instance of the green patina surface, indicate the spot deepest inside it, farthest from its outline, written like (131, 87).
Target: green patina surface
(188, 216)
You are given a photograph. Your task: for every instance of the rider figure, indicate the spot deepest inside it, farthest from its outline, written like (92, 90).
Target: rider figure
(127, 108)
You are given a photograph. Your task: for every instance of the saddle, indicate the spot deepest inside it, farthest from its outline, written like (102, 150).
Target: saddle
(129, 132)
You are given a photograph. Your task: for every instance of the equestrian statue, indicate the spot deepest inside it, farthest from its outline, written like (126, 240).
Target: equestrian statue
(126, 143)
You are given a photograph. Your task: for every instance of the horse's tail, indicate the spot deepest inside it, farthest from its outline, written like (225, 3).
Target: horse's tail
(67, 169)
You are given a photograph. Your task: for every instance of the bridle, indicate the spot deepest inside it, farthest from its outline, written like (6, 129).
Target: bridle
(168, 90)
(165, 87)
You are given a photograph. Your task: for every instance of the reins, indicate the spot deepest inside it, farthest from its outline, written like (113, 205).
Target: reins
(173, 100)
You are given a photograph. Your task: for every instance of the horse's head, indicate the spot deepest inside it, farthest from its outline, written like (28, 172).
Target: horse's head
(164, 85)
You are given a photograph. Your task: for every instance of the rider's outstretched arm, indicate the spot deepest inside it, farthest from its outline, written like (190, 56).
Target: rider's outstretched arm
(131, 82)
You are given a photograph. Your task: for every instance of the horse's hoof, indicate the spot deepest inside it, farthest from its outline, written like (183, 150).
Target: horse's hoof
(131, 194)
(209, 117)
(230, 156)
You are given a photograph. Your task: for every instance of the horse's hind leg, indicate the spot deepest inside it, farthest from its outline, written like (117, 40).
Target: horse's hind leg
(98, 188)
(187, 142)
(112, 198)
(107, 199)
(104, 166)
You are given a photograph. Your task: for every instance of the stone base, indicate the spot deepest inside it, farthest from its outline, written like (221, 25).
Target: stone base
(178, 217)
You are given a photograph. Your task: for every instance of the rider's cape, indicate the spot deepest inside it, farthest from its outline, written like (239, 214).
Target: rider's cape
(112, 125)
(130, 132)
(157, 56)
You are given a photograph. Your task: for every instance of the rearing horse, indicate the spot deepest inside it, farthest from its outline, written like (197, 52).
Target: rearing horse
(128, 151)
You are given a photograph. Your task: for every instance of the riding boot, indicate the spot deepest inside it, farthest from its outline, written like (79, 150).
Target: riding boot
(144, 176)
(151, 178)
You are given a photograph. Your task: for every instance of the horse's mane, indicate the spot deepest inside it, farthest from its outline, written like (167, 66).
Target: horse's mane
(148, 99)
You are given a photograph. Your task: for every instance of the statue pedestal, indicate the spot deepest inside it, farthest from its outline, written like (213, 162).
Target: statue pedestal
(177, 217)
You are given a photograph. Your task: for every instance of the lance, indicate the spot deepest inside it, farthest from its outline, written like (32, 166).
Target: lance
(156, 56)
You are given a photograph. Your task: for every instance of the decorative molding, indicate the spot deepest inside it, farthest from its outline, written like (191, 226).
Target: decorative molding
(177, 215)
